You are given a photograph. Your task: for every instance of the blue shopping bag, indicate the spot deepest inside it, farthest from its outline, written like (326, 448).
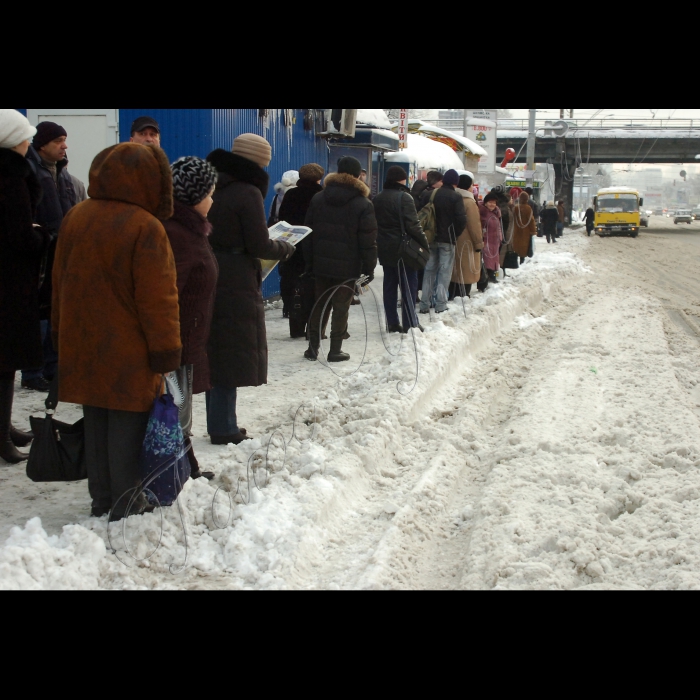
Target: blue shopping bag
(165, 466)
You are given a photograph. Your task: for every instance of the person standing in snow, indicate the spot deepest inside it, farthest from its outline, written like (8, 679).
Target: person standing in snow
(470, 243)
(23, 245)
(296, 288)
(240, 239)
(115, 315)
(396, 213)
(341, 248)
(524, 227)
(419, 186)
(434, 178)
(451, 220)
(550, 219)
(289, 181)
(47, 156)
(492, 235)
(197, 271)
(589, 218)
(562, 218)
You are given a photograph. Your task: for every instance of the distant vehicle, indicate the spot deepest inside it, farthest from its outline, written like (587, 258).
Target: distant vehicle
(658, 212)
(696, 213)
(683, 216)
(617, 211)
(670, 213)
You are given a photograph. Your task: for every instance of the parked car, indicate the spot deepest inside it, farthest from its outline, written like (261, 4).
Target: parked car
(683, 217)
(696, 213)
(658, 212)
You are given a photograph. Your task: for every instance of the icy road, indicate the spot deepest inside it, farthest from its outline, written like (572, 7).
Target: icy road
(551, 441)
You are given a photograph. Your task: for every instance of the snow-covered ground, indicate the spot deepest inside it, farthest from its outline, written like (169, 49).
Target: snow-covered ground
(545, 435)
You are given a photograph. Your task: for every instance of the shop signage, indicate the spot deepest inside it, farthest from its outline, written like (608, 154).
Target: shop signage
(481, 128)
(403, 129)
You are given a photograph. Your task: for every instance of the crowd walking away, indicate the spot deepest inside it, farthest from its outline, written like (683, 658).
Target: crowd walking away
(148, 282)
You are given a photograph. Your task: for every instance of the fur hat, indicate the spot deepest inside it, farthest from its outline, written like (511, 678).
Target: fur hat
(451, 177)
(290, 178)
(254, 148)
(14, 128)
(350, 165)
(395, 174)
(46, 132)
(312, 172)
(465, 182)
(193, 180)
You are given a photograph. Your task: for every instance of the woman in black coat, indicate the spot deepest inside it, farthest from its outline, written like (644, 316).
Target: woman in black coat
(297, 290)
(23, 245)
(393, 206)
(197, 271)
(238, 341)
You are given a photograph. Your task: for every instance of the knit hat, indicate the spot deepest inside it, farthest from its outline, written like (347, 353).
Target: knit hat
(451, 177)
(465, 182)
(350, 165)
(193, 180)
(14, 128)
(46, 132)
(311, 171)
(253, 147)
(395, 174)
(491, 197)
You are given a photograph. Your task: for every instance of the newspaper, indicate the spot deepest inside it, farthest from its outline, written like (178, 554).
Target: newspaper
(285, 232)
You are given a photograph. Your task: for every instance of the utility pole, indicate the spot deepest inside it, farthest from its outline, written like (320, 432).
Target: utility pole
(466, 125)
(531, 140)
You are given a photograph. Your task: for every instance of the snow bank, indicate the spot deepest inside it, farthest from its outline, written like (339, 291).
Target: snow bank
(426, 154)
(284, 503)
(373, 117)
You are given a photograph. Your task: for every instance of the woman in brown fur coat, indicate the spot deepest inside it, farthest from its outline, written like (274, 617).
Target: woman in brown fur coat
(524, 228)
(115, 314)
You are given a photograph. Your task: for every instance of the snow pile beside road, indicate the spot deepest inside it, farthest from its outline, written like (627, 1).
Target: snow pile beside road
(293, 491)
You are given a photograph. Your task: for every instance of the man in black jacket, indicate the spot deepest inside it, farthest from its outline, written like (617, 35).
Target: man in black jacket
(451, 219)
(47, 158)
(342, 247)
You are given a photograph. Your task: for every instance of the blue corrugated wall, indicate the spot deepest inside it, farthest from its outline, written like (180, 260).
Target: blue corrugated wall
(197, 132)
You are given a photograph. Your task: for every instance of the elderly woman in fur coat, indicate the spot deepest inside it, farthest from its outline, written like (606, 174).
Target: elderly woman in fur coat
(22, 245)
(524, 228)
(238, 341)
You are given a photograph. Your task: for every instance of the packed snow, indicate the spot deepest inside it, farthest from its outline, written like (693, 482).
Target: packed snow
(542, 435)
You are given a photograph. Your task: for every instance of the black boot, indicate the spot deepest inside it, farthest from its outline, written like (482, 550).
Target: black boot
(20, 438)
(492, 276)
(8, 451)
(395, 328)
(311, 353)
(336, 354)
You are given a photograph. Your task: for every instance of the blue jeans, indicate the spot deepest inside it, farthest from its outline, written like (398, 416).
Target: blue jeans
(50, 356)
(437, 278)
(407, 279)
(560, 229)
(221, 411)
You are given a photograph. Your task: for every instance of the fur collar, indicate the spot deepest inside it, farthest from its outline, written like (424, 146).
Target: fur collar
(465, 193)
(12, 164)
(348, 182)
(239, 169)
(189, 218)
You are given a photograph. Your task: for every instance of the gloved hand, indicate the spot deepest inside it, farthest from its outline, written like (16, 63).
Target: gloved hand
(290, 250)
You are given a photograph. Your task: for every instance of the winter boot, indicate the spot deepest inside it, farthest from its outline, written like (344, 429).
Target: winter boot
(20, 438)
(8, 451)
(336, 354)
(492, 277)
(395, 328)
(311, 353)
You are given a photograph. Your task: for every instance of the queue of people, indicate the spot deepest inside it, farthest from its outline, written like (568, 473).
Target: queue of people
(158, 273)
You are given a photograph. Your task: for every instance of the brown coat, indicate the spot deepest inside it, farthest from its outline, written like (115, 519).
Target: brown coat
(467, 268)
(115, 312)
(524, 226)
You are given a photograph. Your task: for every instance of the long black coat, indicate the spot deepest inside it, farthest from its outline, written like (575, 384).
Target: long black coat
(343, 244)
(294, 207)
(392, 205)
(21, 249)
(197, 272)
(238, 341)
(550, 218)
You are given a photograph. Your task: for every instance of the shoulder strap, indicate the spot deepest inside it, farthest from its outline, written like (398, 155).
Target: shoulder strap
(432, 196)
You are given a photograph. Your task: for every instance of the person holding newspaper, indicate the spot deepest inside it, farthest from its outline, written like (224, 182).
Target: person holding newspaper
(240, 238)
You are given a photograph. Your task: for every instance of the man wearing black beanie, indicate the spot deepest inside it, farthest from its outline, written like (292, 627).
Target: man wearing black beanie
(47, 158)
(341, 248)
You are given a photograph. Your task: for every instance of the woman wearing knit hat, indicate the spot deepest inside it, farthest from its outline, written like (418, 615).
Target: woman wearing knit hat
(238, 342)
(396, 213)
(22, 245)
(197, 271)
(298, 289)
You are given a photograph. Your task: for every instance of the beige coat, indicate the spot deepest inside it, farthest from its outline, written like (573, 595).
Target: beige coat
(467, 267)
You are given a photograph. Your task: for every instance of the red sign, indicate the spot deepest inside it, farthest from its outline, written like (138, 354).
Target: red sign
(403, 129)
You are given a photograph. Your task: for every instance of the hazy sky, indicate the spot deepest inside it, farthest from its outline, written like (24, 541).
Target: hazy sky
(621, 113)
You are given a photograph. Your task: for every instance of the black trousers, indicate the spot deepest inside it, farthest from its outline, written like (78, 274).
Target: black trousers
(341, 299)
(113, 441)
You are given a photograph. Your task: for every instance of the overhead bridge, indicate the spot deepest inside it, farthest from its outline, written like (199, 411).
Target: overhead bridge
(607, 141)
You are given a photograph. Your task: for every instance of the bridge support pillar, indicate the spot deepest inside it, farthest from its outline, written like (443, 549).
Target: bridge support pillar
(564, 183)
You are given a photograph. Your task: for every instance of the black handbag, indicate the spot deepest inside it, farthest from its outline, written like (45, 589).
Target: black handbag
(511, 261)
(483, 283)
(58, 449)
(531, 248)
(413, 254)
